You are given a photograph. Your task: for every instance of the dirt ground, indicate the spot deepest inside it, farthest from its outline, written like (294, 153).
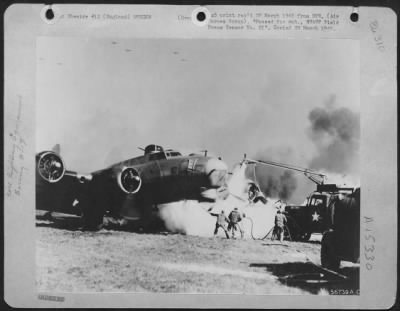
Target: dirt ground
(120, 261)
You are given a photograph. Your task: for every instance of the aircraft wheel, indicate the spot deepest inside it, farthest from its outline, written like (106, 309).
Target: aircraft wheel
(329, 259)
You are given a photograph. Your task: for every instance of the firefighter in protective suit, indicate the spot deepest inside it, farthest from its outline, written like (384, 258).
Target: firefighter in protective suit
(234, 219)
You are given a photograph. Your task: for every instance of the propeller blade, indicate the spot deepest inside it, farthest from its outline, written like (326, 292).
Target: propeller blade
(57, 149)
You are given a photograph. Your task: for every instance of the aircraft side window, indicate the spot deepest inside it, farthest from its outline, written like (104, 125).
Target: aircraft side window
(172, 154)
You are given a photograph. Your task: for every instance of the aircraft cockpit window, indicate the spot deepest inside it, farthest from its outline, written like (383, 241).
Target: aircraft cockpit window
(157, 156)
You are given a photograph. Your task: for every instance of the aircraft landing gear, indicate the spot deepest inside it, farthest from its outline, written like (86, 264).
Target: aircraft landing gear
(92, 215)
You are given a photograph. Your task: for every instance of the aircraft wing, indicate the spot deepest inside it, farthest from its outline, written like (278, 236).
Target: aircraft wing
(62, 196)
(90, 195)
(58, 189)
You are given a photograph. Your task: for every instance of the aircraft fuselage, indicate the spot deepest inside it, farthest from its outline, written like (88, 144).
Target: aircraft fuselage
(163, 177)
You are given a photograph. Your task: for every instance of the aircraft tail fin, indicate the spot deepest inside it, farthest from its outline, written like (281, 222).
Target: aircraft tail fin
(56, 149)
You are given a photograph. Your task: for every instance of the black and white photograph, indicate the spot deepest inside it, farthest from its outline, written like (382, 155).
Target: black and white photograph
(199, 156)
(197, 166)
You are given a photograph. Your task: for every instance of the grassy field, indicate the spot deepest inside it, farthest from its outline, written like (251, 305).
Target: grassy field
(117, 261)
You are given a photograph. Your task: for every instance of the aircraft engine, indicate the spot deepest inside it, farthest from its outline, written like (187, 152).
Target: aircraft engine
(129, 180)
(51, 167)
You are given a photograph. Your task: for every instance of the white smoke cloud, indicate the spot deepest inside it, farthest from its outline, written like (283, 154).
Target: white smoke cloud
(194, 218)
(187, 217)
(342, 180)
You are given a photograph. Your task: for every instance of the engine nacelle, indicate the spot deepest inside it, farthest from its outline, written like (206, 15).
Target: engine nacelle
(50, 167)
(129, 180)
(83, 178)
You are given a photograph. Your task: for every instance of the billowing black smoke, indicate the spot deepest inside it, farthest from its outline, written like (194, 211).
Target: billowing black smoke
(336, 134)
(288, 185)
(276, 182)
(279, 185)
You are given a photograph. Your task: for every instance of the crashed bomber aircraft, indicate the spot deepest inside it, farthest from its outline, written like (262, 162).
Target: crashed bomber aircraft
(132, 188)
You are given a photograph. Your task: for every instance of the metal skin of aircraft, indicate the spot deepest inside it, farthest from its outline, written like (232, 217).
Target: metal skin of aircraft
(131, 189)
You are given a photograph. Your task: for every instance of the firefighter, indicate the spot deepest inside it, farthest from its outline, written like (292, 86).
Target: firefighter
(234, 219)
(280, 223)
(221, 223)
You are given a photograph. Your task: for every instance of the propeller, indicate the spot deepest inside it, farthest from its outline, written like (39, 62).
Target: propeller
(129, 180)
(51, 166)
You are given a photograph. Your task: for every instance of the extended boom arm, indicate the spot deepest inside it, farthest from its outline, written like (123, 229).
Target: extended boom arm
(310, 174)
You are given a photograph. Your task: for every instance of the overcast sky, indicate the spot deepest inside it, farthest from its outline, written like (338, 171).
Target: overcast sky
(102, 98)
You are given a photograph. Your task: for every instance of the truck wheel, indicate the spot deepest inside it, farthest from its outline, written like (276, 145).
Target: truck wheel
(301, 236)
(305, 236)
(329, 259)
(296, 236)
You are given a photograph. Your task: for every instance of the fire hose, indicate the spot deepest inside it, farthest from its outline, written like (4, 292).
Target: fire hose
(263, 238)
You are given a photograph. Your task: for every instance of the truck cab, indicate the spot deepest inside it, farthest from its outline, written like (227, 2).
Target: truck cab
(303, 220)
(313, 217)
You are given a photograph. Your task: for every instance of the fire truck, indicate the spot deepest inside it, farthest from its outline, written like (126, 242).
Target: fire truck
(314, 216)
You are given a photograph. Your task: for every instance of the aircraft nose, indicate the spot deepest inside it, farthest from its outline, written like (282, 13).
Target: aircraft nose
(216, 171)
